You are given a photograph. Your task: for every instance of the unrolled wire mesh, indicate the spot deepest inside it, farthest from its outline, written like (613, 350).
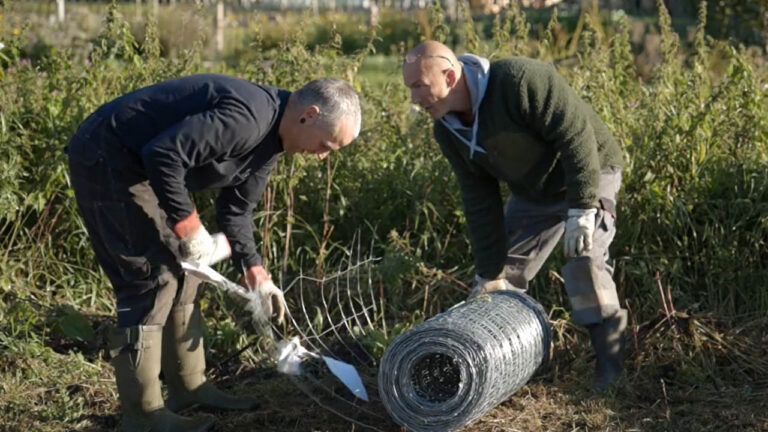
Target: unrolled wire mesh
(450, 370)
(337, 316)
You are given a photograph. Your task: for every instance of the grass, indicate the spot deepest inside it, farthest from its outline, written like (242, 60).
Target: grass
(684, 373)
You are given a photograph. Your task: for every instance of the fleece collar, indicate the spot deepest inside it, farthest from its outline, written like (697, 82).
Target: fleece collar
(475, 69)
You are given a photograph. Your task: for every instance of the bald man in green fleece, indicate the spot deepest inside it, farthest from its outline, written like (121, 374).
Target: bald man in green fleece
(516, 120)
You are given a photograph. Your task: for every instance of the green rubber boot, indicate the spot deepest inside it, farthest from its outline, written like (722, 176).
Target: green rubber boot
(136, 355)
(184, 366)
(608, 343)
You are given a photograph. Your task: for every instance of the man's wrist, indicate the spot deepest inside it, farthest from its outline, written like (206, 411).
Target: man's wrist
(187, 226)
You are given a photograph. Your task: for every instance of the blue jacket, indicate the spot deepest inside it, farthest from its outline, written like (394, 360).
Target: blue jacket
(195, 133)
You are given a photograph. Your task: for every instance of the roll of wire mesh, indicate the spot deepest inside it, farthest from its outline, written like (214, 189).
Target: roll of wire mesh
(450, 370)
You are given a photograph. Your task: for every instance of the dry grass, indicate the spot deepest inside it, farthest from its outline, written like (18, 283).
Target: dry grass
(684, 373)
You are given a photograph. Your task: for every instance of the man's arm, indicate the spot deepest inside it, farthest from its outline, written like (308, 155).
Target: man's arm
(224, 129)
(556, 113)
(234, 215)
(482, 207)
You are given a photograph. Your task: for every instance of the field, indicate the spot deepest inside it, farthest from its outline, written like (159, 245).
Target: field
(686, 103)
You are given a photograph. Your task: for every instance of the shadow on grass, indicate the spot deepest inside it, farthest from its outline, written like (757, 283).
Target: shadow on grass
(101, 422)
(76, 332)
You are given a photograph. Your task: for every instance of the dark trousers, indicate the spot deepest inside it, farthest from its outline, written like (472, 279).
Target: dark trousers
(533, 231)
(128, 230)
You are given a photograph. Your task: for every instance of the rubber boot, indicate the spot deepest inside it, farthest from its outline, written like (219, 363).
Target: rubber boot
(184, 366)
(136, 358)
(608, 343)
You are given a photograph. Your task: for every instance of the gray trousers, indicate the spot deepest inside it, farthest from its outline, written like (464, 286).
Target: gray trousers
(533, 231)
(128, 232)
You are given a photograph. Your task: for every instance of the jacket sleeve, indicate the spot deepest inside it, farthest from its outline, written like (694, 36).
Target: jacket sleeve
(234, 215)
(197, 139)
(556, 113)
(482, 207)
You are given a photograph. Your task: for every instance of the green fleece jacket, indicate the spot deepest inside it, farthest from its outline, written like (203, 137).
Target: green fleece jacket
(544, 141)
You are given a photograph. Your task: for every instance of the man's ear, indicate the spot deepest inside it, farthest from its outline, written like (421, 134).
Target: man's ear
(450, 78)
(310, 114)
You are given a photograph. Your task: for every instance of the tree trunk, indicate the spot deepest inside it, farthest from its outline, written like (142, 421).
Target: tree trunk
(450, 9)
(61, 13)
(219, 27)
(373, 15)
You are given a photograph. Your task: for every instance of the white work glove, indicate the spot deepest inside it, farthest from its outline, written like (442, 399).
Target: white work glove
(202, 248)
(579, 230)
(271, 299)
(481, 285)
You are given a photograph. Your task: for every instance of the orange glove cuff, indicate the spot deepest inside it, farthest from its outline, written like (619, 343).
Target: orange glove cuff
(187, 226)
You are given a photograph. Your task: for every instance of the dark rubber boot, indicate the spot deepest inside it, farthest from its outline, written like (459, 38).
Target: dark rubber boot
(136, 360)
(608, 343)
(184, 366)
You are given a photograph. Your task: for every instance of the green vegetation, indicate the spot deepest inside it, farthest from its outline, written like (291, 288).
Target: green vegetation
(693, 221)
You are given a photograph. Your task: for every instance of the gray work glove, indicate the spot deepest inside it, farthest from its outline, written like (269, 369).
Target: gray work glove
(579, 231)
(202, 248)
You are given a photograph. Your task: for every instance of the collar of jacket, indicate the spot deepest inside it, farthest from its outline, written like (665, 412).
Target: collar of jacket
(283, 96)
(475, 69)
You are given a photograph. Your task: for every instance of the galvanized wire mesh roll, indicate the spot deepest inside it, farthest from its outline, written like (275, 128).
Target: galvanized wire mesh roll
(453, 368)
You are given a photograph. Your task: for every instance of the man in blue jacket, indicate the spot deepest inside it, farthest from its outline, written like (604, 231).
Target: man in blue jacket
(134, 162)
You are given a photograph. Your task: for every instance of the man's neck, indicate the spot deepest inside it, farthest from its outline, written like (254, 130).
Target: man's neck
(464, 102)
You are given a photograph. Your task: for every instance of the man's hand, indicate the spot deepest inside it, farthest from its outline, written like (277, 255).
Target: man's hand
(272, 300)
(255, 276)
(579, 230)
(481, 285)
(197, 246)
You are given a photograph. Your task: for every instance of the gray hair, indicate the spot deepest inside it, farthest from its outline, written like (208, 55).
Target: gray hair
(336, 100)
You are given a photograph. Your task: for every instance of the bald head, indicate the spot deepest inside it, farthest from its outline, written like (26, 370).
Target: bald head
(434, 76)
(431, 55)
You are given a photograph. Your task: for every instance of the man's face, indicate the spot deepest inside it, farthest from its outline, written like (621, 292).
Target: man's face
(310, 137)
(428, 83)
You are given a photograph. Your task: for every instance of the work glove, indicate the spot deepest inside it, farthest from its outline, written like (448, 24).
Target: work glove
(271, 297)
(481, 285)
(202, 248)
(579, 230)
(272, 300)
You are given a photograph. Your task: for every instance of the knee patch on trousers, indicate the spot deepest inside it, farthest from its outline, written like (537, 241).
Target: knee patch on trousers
(131, 338)
(590, 289)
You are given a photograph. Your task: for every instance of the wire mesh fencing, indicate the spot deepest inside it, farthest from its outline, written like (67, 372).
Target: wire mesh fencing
(453, 368)
(439, 375)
